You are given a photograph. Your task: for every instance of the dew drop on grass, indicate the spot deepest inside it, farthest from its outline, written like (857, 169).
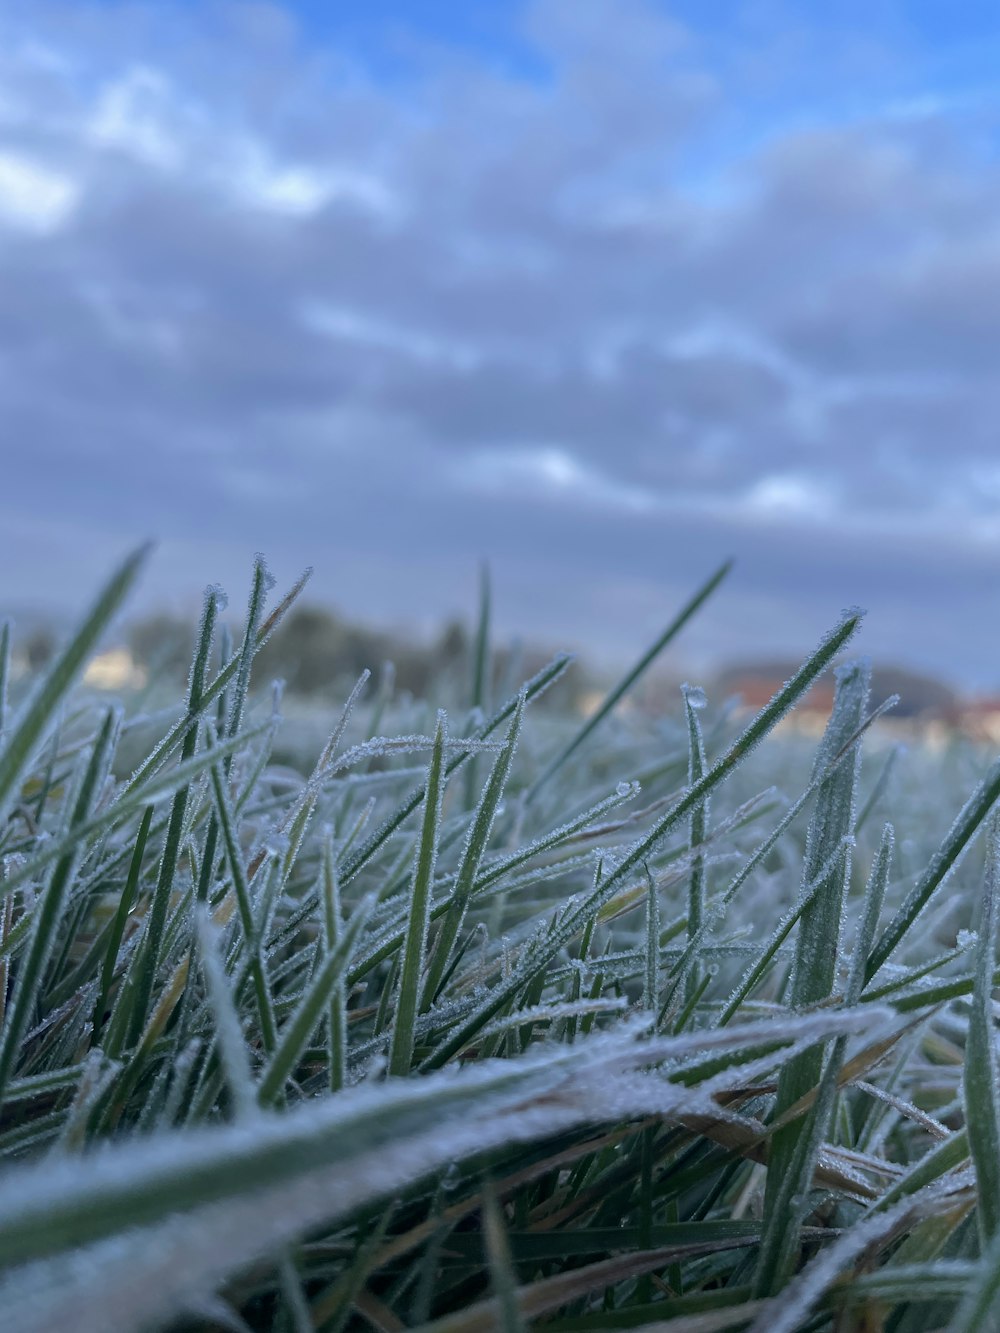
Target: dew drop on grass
(694, 695)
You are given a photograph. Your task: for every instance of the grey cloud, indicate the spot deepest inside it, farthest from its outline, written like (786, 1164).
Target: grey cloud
(293, 308)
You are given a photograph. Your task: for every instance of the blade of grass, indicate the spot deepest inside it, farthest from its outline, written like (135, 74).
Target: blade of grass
(475, 848)
(309, 1011)
(5, 629)
(244, 905)
(480, 683)
(531, 690)
(333, 929)
(980, 1069)
(415, 944)
(956, 840)
(979, 1308)
(151, 945)
(46, 917)
(481, 655)
(228, 1030)
(575, 920)
(211, 692)
(121, 916)
(503, 1278)
(23, 740)
(698, 826)
(629, 679)
(793, 1150)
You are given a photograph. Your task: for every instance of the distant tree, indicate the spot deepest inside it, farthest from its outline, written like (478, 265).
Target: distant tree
(917, 693)
(39, 647)
(314, 649)
(163, 645)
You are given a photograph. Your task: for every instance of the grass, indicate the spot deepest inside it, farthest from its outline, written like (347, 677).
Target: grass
(486, 1019)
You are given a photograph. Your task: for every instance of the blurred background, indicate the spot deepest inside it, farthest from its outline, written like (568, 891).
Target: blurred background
(598, 291)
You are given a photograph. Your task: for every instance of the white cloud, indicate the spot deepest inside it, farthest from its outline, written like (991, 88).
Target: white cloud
(366, 330)
(34, 196)
(789, 496)
(297, 189)
(137, 113)
(550, 473)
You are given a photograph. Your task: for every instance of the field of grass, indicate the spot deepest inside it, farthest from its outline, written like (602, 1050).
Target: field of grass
(489, 1020)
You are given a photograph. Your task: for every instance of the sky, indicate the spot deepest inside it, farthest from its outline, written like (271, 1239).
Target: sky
(599, 291)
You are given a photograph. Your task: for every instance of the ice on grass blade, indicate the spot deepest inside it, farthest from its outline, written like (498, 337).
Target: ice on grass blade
(241, 896)
(415, 942)
(651, 979)
(5, 632)
(161, 752)
(967, 824)
(46, 916)
(231, 1044)
(694, 700)
(333, 929)
(535, 960)
(152, 942)
(826, 870)
(979, 1308)
(981, 1070)
(472, 855)
(800, 1297)
(531, 690)
(231, 710)
(310, 1009)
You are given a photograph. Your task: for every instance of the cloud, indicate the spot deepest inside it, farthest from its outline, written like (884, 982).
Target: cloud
(616, 302)
(32, 196)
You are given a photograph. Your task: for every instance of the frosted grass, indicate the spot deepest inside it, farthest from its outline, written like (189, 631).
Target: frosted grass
(614, 1023)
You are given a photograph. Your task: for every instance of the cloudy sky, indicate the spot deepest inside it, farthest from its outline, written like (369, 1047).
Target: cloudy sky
(601, 290)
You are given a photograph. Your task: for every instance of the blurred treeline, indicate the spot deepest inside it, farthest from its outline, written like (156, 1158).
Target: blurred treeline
(316, 652)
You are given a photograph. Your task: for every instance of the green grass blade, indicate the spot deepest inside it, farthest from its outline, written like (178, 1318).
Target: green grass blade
(481, 653)
(48, 912)
(241, 889)
(333, 929)
(415, 944)
(152, 943)
(4, 676)
(531, 690)
(121, 916)
(651, 978)
(157, 787)
(957, 839)
(698, 827)
(630, 678)
(979, 1308)
(23, 740)
(229, 1032)
(574, 922)
(981, 1071)
(211, 692)
(878, 881)
(310, 1010)
(794, 1146)
(503, 1278)
(475, 848)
